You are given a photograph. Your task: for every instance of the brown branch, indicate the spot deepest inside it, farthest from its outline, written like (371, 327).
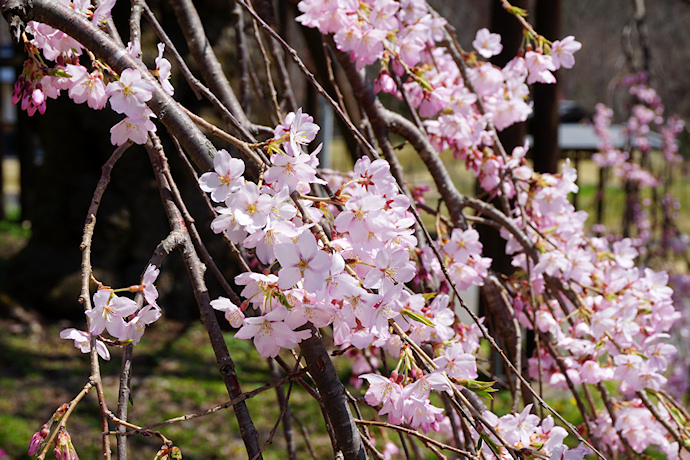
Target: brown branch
(63, 420)
(366, 146)
(85, 296)
(207, 61)
(333, 395)
(661, 419)
(264, 8)
(243, 397)
(195, 270)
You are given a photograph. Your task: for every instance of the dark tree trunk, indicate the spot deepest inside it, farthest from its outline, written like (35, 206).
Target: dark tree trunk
(545, 150)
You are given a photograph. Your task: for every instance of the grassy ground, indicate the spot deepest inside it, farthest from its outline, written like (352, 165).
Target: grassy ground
(174, 374)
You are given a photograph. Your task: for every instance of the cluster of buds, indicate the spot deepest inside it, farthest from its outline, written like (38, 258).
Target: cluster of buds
(29, 90)
(64, 449)
(168, 452)
(38, 439)
(38, 82)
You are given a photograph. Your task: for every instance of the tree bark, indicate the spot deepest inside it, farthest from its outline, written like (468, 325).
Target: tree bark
(545, 151)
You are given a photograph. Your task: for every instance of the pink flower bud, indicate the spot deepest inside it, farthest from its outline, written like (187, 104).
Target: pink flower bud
(37, 97)
(37, 439)
(64, 449)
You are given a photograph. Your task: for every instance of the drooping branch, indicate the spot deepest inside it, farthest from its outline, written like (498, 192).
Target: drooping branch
(333, 396)
(207, 61)
(195, 270)
(86, 272)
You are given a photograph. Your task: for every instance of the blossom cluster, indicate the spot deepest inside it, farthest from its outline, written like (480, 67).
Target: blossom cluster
(120, 316)
(353, 280)
(404, 35)
(647, 119)
(614, 326)
(127, 92)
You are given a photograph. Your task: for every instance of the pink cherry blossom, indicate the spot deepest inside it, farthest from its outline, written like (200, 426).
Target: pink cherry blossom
(270, 333)
(562, 52)
(226, 177)
(540, 67)
(129, 94)
(302, 260)
(391, 267)
(362, 216)
(108, 312)
(53, 42)
(147, 280)
(457, 363)
(487, 44)
(422, 414)
(384, 391)
(102, 12)
(87, 87)
(299, 129)
(132, 129)
(82, 340)
(232, 312)
(250, 206)
(163, 67)
(227, 222)
(265, 239)
(134, 328)
(383, 15)
(293, 172)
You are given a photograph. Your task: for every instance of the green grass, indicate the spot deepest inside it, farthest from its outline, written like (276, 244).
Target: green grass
(174, 374)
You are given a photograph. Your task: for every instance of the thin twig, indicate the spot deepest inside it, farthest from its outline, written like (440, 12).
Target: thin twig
(85, 297)
(243, 397)
(415, 433)
(63, 420)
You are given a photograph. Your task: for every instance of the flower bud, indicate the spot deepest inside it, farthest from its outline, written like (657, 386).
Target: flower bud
(37, 440)
(169, 453)
(38, 97)
(64, 449)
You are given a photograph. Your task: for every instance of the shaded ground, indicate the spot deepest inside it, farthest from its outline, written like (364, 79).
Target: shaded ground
(174, 374)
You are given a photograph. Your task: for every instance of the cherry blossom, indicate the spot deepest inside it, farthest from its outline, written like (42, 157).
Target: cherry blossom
(132, 129)
(270, 333)
(303, 260)
(163, 68)
(150, 292)
(299, 129)
(540, 67)
(487, 44)
(129, 94)
(87, 87)
(226, 177)
(456, 363)
(108, 313)
(232, 312)
(562, 52)
(135, 327)
(82, 340)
